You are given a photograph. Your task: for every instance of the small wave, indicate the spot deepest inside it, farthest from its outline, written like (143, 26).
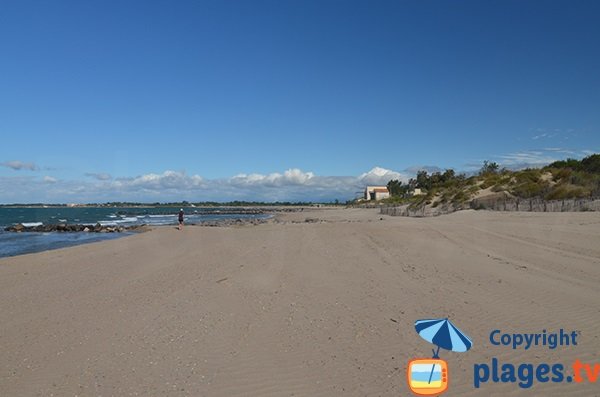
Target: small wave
(62, 220)
(32, 224)
(112, 216)
(118, 221)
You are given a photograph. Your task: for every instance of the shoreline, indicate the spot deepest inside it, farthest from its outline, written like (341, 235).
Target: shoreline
(110, 232)
(63, 235)
(283, 215)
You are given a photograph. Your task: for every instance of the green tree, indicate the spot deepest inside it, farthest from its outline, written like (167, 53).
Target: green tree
(412, 184)
(423, 180)
(489, 168)
(568, 163)
(395, 187)
(448, 175)
(591, 164)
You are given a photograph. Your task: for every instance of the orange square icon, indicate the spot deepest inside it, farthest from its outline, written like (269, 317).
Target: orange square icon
(427, 376)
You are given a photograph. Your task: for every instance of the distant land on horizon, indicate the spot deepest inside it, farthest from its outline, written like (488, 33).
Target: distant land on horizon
(184, 204)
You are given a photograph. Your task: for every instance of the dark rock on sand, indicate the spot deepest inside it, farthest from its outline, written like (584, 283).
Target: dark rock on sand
(74, 228)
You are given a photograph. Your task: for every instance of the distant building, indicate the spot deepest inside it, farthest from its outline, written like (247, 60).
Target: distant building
(376, 193)
(418, 192)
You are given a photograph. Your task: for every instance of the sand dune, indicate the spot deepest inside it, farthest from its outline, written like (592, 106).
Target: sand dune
(298, 308)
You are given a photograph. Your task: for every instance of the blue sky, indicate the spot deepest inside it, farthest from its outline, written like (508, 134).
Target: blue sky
(220, 100)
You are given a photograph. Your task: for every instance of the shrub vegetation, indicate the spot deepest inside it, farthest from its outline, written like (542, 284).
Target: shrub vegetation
(562, 179)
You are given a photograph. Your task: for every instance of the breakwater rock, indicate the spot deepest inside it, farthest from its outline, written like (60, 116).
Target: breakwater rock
(66, 228)
(234, 222)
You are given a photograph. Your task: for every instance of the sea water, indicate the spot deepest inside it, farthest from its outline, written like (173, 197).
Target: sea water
(21, 243)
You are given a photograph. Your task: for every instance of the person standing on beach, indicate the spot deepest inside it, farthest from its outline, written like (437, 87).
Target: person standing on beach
(180, 219)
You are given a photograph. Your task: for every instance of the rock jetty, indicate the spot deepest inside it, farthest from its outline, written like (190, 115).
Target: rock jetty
(63, 227)
(234, 222)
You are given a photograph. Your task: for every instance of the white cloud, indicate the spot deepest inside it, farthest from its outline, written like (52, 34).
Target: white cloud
(297, 185)
(429, 168)
(381, 176)
(20, 189)
(99, 176)
(168, 180)
(292, 176)
(291, 185)
(550, 133)
(554, 149)
(526, 159)
(19, 165)
(538, 158)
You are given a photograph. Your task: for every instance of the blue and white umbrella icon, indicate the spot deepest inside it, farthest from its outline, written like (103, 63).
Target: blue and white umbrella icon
(442, 333)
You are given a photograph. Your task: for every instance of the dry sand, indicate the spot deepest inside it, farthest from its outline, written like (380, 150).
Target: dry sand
(296, 308)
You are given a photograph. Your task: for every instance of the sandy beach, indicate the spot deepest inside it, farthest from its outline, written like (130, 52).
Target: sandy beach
(295, 308)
